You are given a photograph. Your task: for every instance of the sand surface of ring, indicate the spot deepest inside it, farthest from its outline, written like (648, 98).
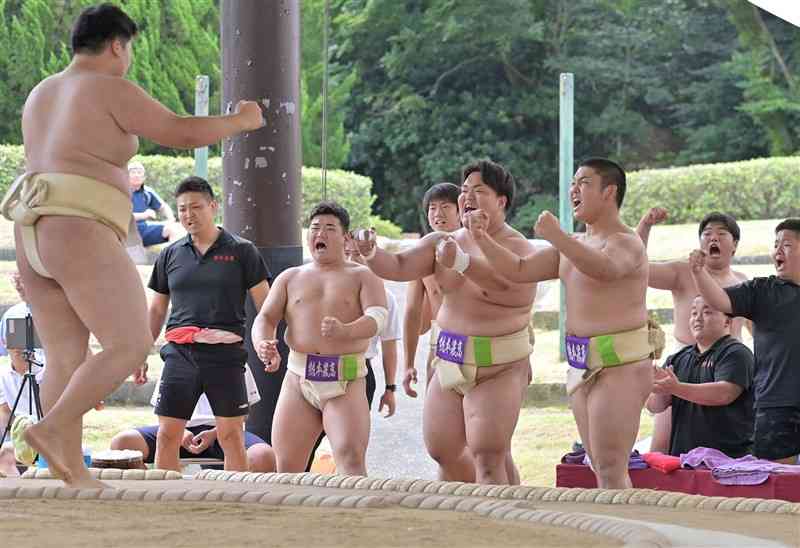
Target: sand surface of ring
(78, 523)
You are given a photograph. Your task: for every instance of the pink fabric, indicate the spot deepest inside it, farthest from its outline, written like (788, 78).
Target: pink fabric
(192, 334)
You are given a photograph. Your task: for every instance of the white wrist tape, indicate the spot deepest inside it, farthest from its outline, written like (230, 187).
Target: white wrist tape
(380, 314)
(366, 235)
(462, 261)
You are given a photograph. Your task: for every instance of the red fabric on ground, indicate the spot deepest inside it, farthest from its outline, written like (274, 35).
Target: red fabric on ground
(695, 482)
(661, 462)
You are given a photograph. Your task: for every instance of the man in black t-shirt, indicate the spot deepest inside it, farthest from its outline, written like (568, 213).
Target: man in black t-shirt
(708, 385)
(207, 276)
(773, 304)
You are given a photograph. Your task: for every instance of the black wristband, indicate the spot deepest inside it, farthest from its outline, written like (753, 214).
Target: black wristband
(391, 387)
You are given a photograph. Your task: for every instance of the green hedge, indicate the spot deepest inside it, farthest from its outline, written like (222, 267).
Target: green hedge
(352, 191)
(767, 188)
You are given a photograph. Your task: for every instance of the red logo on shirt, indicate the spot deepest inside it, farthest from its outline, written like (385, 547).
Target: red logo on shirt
(225, 258)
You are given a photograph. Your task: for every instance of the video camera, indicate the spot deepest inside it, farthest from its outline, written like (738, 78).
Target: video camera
(21, 335)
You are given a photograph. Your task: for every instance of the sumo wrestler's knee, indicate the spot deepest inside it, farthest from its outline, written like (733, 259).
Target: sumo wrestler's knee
(487, 462)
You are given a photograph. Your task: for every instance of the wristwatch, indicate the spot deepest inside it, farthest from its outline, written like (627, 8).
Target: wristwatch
(391, 387)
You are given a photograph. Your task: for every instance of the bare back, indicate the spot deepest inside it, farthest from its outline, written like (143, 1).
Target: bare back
(313, 293)
(68, 127)
(597, 307)
(471, 310)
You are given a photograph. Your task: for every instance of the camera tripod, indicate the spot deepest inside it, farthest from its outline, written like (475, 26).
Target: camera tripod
(28, 380)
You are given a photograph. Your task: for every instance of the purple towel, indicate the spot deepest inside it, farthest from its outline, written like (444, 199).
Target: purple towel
(746, 470)
(636, 462)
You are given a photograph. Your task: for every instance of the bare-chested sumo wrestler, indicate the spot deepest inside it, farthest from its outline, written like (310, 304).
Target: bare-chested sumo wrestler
(332, 308)
(482, 363)
(609, 343)
(72, 209)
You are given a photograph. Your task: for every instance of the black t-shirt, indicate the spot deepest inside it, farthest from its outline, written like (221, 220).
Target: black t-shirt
(773, 305)
(209, 290)
(728, 428)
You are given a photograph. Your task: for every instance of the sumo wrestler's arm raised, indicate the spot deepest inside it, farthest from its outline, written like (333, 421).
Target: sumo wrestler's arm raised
(405, 266)
(137, 113)
(621, 255)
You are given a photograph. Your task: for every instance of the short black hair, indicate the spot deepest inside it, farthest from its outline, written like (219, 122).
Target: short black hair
(331, 208)
(792, 224)
(611, 173)
(98, 25)
(194, 184)
(446, 192)
(725, 220)
(495, 177)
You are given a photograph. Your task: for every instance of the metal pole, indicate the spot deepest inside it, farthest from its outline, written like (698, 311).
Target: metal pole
(201, 109)
(262, 170)
(566, 133)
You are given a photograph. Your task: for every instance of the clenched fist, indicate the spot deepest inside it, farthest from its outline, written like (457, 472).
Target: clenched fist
(655, 216)
(697, 260)
(267, 352)
(547, 226)
(477, 222)
(332, 328)
(249, 113)
(446, 251)
(366, 241)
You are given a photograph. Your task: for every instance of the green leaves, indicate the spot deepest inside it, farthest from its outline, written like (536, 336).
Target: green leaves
(766, 188)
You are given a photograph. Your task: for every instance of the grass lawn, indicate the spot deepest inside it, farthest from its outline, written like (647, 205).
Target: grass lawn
(669, 242)
(544, 435)
(100, 426)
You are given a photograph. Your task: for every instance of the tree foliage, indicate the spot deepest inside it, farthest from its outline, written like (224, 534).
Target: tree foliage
(417, 88)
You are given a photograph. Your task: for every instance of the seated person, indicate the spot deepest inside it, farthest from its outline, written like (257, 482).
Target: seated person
(147, 206)
(19, 310)
(10, 384)
(709, 386)
(200, 437)
(7, 460)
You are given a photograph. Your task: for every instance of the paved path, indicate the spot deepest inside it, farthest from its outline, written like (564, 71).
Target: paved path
(396, 448)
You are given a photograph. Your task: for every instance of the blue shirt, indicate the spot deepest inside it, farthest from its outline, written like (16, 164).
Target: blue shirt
(145, 198)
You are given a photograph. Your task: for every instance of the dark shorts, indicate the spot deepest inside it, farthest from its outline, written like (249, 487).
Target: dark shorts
(149, 434)
(151, 233)
(777, 433)
(193, 369)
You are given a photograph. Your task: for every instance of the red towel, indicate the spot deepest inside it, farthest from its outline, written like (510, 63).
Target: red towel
(661, 462)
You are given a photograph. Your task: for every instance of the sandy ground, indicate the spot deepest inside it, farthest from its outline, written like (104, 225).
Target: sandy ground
(60, 523)
(779, 527)
(54, 522)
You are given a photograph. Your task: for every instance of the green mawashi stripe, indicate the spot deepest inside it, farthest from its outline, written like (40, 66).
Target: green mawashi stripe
(605, 346)
(350, 367)
(483, 351)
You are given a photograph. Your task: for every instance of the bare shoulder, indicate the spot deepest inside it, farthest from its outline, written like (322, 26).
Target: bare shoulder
(287, 275)
(362, 272)
(515, 241)
(432, 238)
(740, 276)
(627, 239)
